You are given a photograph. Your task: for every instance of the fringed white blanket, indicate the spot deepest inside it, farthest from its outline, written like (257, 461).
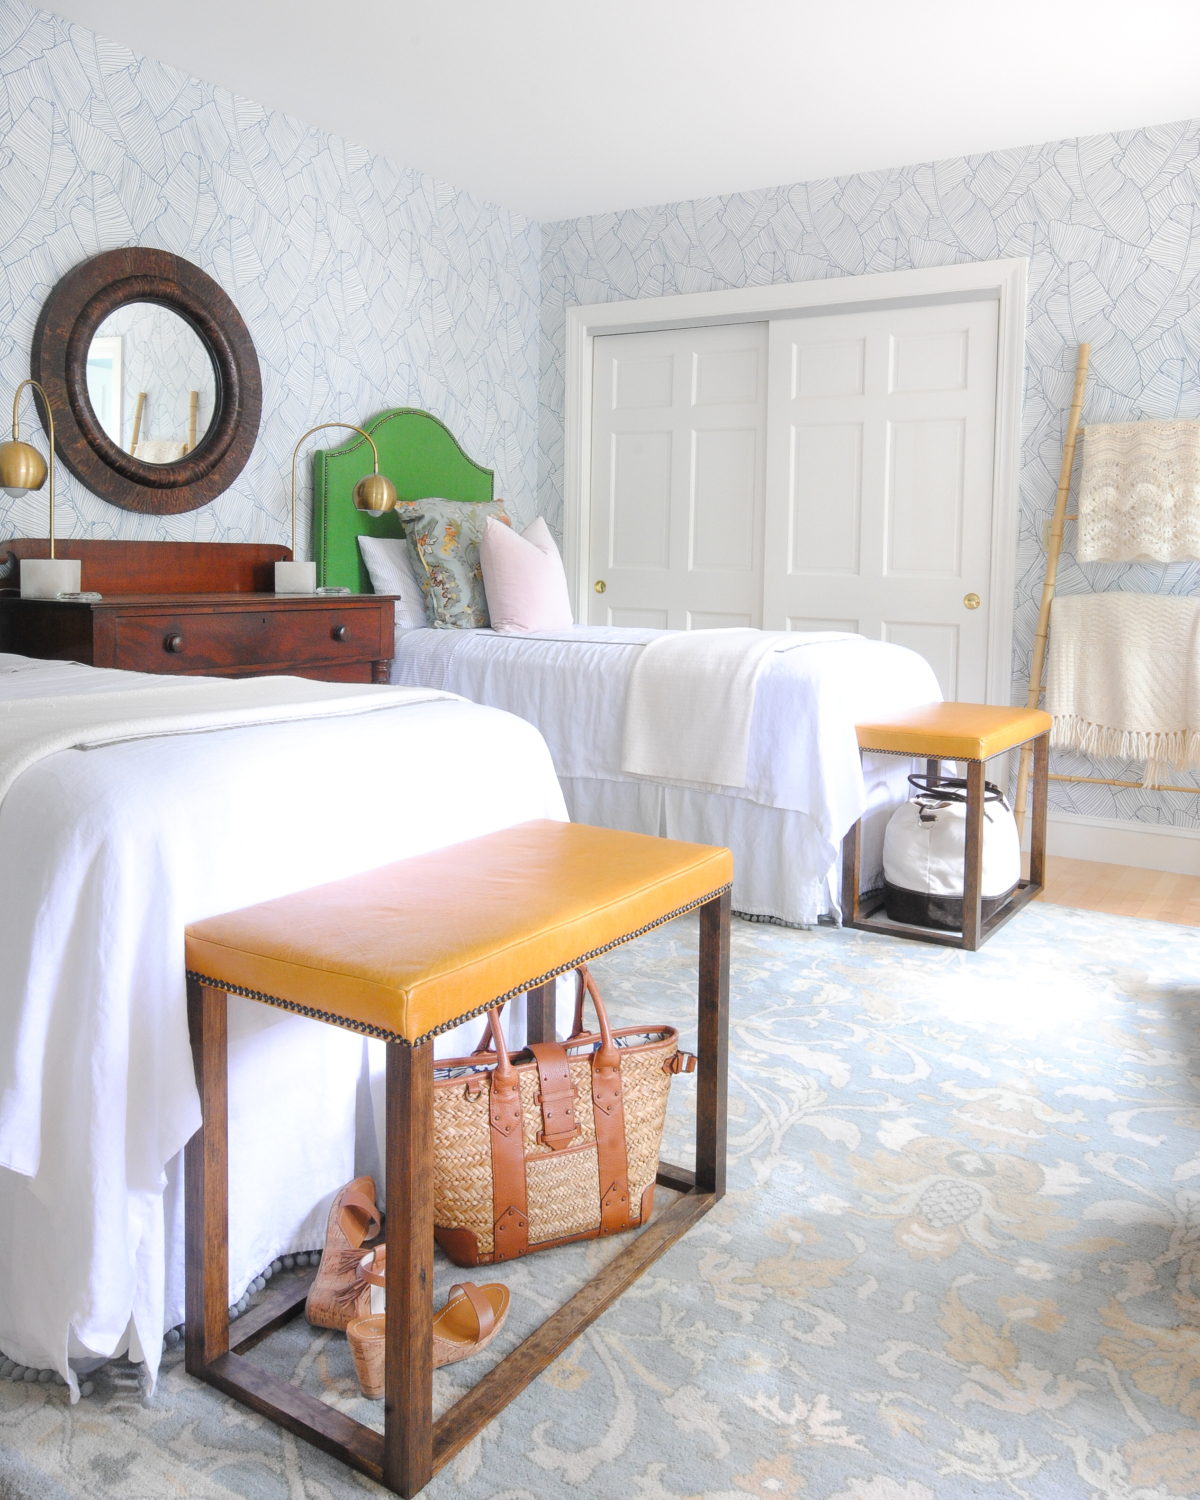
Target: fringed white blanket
(1139, 492)
(1124, 679)
(690, 699)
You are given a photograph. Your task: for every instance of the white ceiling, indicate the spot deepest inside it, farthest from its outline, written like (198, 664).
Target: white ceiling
(559, 108)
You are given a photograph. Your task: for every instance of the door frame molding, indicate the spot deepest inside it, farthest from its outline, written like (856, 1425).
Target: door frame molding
(1002, 281)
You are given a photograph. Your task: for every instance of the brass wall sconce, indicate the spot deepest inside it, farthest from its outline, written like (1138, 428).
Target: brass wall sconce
(374, 494)
(22, 469)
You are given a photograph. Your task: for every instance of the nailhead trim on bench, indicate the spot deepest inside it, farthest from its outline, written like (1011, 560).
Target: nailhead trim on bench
(390, 1036)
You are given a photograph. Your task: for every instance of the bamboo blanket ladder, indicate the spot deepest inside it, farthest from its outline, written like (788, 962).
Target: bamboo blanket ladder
(1053, 552)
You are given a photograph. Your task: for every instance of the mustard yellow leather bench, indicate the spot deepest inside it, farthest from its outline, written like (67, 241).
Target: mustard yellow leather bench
(401, 954)
(971, 732)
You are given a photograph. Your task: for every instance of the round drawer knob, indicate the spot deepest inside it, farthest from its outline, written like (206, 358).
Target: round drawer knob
(600, 585)
(173, 642)
(341, 632)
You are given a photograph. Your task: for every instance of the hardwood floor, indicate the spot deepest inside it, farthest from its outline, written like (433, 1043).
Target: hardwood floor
(1122, 890)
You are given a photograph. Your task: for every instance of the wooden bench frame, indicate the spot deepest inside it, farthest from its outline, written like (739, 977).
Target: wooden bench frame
(863, 910)
(412, 1447)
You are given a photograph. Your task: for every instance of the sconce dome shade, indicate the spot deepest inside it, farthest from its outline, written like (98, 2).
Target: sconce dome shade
(23, 468)
(375, 493)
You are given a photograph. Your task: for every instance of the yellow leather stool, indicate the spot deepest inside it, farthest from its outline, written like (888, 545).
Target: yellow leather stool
(973, 732)
(401, 954)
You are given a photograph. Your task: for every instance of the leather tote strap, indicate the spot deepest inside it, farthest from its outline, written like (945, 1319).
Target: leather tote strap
(608, 1110)
(585, 985)
(510, 1213)
(580, 992)
(559, 1125)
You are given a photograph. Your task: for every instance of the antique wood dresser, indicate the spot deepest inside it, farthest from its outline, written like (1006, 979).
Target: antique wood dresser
(194, 608)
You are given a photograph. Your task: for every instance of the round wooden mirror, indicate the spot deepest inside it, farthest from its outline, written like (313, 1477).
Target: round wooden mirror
(153, 379)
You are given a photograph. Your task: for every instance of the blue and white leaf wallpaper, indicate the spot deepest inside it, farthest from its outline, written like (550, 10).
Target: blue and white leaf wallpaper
(1109, 224)
(364, 284)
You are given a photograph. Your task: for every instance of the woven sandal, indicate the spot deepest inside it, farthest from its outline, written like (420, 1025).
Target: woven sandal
(339, 1294)
(470, 1320)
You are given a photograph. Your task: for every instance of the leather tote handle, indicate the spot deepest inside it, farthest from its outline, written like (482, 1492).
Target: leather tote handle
(606, 1056)
(510, 1212)
(504, 1073)
(608, 1112)
(484, 1045)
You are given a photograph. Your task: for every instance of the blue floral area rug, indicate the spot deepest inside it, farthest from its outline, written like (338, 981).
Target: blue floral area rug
(959, 1257)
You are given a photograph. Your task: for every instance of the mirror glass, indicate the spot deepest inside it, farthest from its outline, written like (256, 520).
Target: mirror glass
(151, 382)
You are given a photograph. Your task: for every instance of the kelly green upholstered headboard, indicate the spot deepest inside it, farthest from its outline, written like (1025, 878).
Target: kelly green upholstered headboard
(418, 454)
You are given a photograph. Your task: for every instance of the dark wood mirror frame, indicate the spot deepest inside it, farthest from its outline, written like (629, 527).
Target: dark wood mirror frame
(74, 311)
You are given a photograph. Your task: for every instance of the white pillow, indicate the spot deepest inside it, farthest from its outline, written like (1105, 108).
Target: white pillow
(524, 579)
(389, 563)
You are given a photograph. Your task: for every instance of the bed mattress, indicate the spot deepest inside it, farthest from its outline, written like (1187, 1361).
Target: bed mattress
(105, 855)
(805, 784)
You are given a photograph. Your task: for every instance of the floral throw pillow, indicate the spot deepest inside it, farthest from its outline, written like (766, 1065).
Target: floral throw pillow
(444, 537)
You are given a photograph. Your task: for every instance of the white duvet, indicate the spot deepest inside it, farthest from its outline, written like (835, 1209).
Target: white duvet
(105, 855)
(804, 784)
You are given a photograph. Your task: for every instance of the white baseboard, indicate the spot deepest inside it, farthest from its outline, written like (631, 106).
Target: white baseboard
(1111, 841)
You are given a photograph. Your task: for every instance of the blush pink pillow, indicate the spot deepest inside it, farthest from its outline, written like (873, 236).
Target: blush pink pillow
(523, 578)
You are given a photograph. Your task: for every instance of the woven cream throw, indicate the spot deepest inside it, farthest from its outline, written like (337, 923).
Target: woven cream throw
(1139, 493)
(160, 451)
(1124, 678)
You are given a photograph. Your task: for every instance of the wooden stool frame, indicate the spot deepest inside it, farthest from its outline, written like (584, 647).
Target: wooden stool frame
(412, 1447)
(863, 910)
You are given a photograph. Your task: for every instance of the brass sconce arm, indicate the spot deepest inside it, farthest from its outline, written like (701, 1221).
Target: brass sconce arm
(374, 492)
(23, 468)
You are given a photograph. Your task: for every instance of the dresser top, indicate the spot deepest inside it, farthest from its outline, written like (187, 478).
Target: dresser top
(238, 601)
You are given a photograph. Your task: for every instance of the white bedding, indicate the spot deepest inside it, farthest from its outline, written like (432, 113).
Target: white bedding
(802, 758)
(33, 727)
(689, 702)
(105, 855)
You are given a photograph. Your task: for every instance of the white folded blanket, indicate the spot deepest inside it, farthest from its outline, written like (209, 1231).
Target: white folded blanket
(1139, 492)
(1124, 678)
(33, 728)
(690, 698)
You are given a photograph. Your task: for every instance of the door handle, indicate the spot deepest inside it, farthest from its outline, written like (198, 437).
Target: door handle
(600, 585)
(972, 601)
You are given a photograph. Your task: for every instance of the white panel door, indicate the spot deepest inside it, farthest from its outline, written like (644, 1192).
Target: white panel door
(678, 473)
(879, 481)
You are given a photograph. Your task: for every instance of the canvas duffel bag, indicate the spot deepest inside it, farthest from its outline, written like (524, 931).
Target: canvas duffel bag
(923, 849)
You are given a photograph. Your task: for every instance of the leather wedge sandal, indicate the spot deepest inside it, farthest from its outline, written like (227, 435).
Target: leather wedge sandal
(471, 1319)
(339, 1294)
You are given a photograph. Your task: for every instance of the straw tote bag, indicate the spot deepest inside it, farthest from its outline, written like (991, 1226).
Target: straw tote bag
(558, 1147)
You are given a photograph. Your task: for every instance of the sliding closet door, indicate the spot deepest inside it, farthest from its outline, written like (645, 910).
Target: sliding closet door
(879, 481)
(678, 471)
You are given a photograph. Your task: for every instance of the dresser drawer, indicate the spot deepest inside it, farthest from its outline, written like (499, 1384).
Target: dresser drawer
(183, 641)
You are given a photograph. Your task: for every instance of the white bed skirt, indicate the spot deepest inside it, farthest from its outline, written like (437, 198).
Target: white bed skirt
(306, 1107)
(783, 868)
